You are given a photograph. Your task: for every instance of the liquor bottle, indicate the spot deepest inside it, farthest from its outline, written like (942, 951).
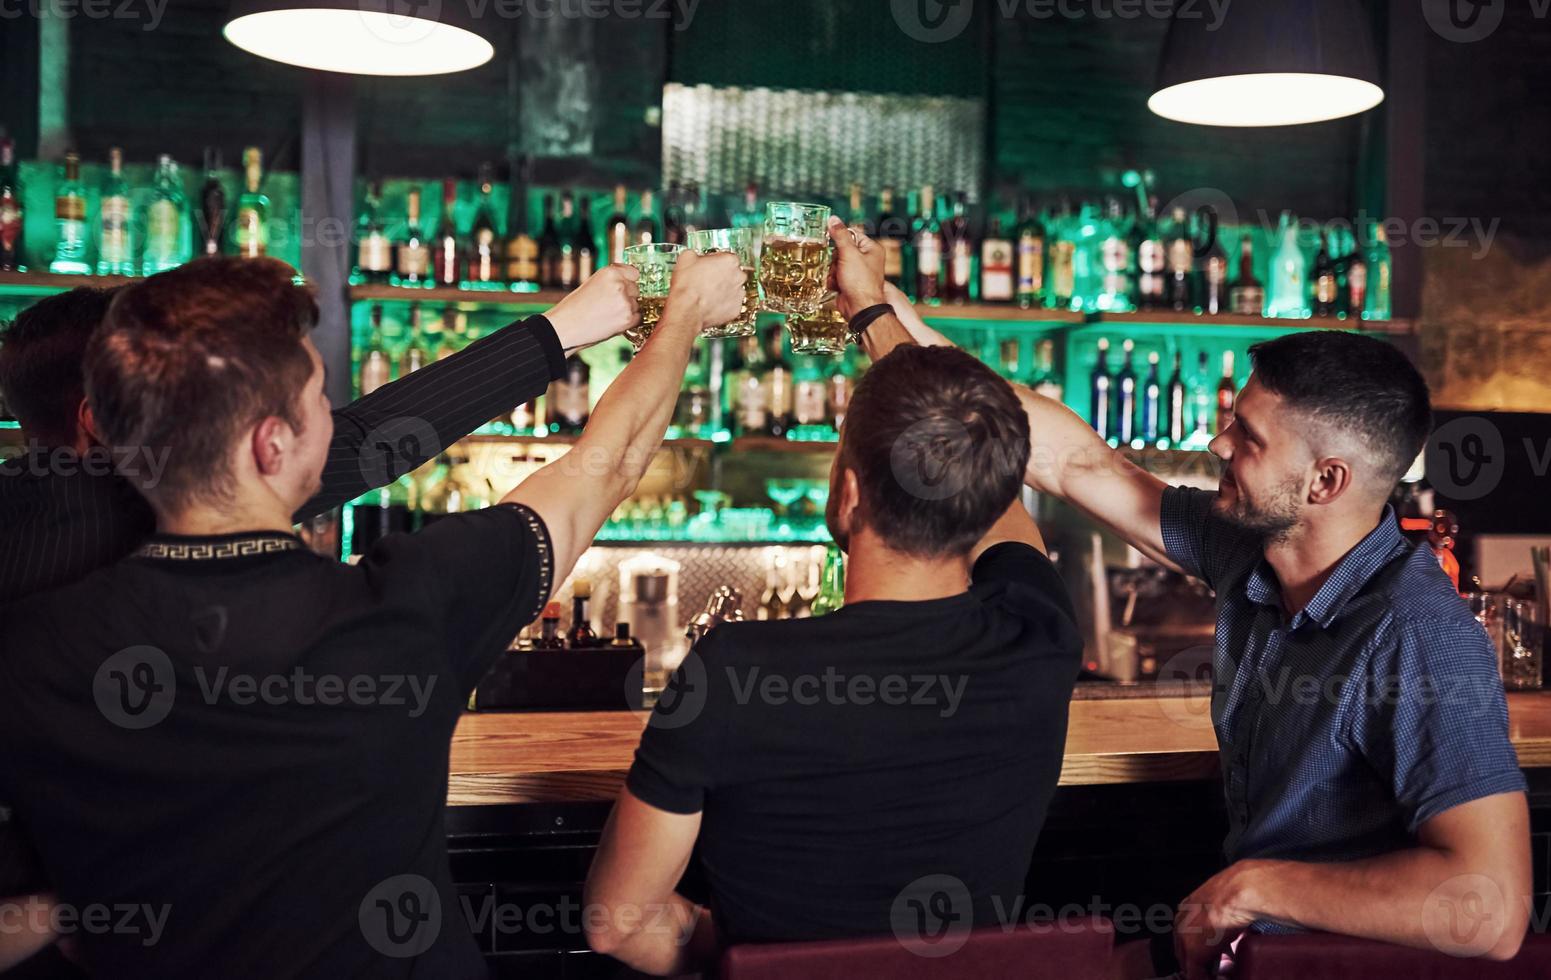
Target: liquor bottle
(11, 210)
(412, 265)
(893, 231)
(581, 634)
(1354, 298)
(1201, 403)
(996, 260)
(70, 221)
(1377, 260)
(1288, 269)
(455, 332)
(522, 252)
(672, 227)
(1179, 263)
(484, 263)
(778, 383)
(583, 244)
(1011, 357)
(549, 637)
(1061, 280)
(856, 218)
(1100, 392)
(832, 584)
(447, 258)
(926, 245)
(212, 206)
(570, 397)
(773, 603)
(374, 253)
(837, 396)
(646, 224)
(113, 248)
(960, 248)
(1031, 259)
(617, 231)
(1246, 296)
(752, 216)
(1325, 292)
(692, 213)
(250, 230)
(808, 393)
(1150, 259)
(375, 367)
(752, 409)
(418, 354)
(1212, 290)
(566, 278)
(550, 249)
(1226, 389)
(1152, 402)
(622, 636)
(1115, 258)
(164, 220)
(1124, 428)
(1175, 423)
(1045, 380)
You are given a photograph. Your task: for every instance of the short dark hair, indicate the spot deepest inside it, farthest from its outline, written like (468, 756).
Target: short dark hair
(939, 444)
(40, 362)
(189, 358)
(1360, 384)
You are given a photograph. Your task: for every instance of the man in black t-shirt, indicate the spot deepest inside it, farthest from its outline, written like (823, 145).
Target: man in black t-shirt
(230, 752)
(886, 767)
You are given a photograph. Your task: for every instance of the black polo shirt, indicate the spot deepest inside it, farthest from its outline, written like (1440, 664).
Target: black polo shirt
(889, 758)
(239, 748)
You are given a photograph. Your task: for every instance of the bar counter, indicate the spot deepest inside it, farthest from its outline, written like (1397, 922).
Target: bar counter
(572, 757)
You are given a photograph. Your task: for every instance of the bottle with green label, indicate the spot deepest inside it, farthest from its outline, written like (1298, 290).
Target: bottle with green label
(114, 256)
(164, 220)
(832, 583)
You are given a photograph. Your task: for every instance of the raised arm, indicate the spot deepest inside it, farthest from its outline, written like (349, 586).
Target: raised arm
(381, 436)
(576, 493)
(1067, 458)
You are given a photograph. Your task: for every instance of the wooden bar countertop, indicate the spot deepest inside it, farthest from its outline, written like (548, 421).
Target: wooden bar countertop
(563, 757)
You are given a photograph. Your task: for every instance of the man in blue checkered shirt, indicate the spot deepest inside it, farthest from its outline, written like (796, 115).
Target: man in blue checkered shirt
(1371, 786)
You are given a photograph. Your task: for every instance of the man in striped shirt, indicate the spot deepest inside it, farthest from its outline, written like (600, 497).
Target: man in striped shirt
(64, 511)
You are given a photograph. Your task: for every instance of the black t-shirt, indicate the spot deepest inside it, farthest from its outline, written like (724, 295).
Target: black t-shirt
(241, 747)
(839, 761)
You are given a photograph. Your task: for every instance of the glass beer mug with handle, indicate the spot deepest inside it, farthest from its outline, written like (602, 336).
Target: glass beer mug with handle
(794, 262)
(655, 261)
(740, 242)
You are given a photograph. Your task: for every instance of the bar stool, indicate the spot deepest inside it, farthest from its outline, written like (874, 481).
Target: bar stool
(1330, 957)
(1071, 950)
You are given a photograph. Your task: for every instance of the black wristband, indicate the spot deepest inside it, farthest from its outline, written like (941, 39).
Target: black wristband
(864, 319)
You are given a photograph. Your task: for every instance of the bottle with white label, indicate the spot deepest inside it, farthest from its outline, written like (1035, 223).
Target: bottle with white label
(996, 260)
(114, 256)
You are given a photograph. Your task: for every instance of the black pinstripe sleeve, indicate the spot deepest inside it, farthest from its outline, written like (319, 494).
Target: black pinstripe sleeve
(386, 434)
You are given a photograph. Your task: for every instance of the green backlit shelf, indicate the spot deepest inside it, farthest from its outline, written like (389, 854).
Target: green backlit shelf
(742, 444)
(48, 283)
(1171, 318)
(444, 295)
(996, 312)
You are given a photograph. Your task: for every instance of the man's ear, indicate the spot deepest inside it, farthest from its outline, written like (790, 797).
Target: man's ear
(85, 427)
(271, 445)
(850, 500)
(1332, 477)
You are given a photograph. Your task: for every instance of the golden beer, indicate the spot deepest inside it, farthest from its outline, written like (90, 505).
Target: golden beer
(792, 272)
(651, 312)
(744, 325)
(823, 333)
